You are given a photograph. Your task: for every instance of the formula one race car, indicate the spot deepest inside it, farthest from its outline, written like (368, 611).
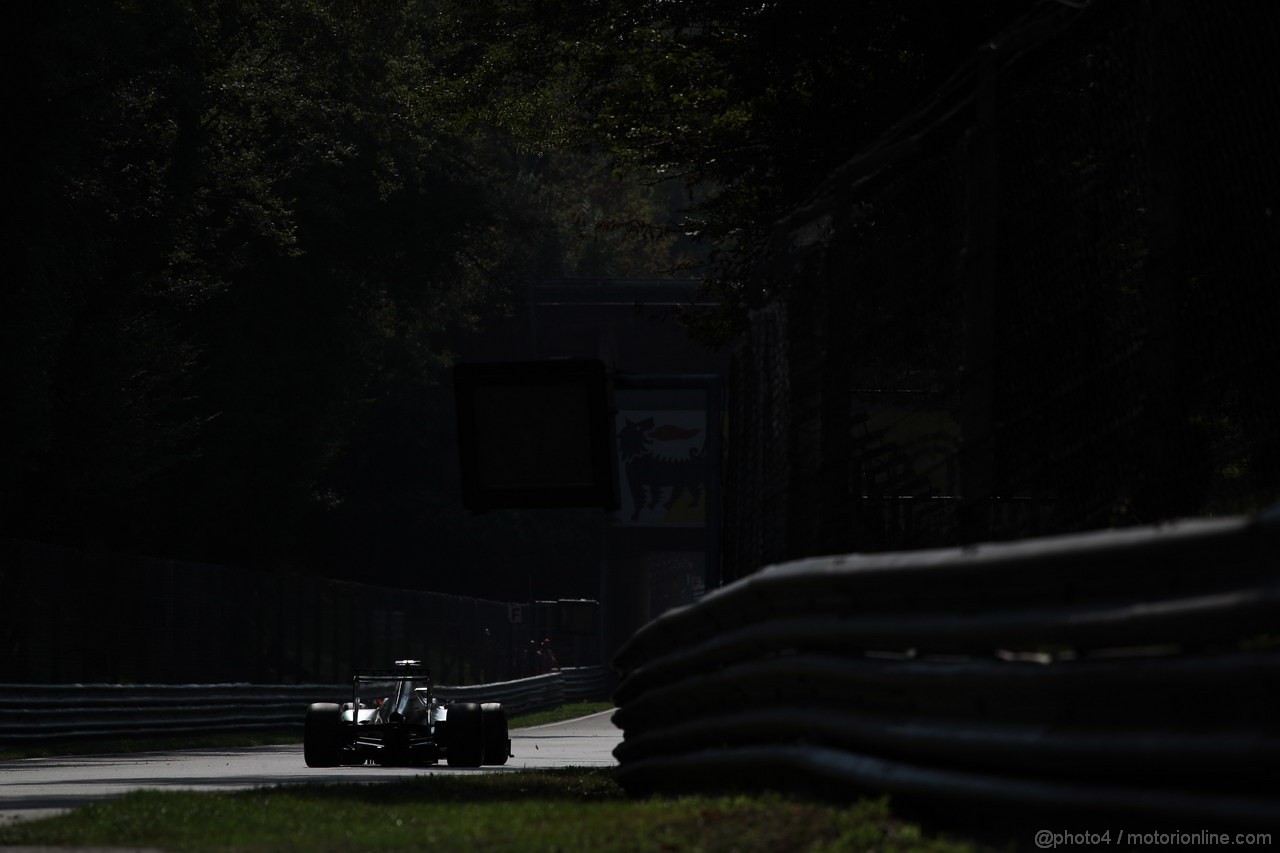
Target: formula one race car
(394, 719)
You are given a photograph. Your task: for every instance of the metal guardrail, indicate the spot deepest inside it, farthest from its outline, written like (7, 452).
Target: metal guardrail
(571, 684)
(1130, 672)
(51, 712)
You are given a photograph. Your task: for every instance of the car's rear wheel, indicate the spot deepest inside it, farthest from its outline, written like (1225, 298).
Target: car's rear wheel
(497, 746)
(465, 724)
(322, 735)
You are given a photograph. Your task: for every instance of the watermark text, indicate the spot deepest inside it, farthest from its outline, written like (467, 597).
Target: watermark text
(1050, 839)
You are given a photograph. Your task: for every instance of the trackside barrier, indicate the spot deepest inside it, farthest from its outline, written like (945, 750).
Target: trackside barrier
(43, 712)
(572, 684)
(1130, 672)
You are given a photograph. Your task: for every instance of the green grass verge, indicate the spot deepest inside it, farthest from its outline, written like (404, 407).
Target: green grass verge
(556, 715)
(232, 740)
(566, 810)
(153, 743)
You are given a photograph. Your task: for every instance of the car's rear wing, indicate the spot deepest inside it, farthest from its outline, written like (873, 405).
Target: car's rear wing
(415, 673)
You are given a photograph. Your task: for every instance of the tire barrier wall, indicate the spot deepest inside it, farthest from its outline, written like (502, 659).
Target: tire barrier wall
(1129, 672)
(44, 712)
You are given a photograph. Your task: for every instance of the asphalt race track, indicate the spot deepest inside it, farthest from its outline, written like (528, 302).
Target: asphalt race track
(36, 787)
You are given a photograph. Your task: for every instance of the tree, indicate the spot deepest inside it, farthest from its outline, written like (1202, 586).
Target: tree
(247, 220)
(242, 213)
(744, 106)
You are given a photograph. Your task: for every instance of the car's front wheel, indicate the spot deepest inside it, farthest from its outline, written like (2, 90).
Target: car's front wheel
(322, 735)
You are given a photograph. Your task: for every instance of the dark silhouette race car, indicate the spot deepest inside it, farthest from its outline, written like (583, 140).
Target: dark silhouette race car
(393, 718)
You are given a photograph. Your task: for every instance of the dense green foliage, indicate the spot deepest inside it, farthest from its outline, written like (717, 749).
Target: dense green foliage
(242, 225)
(745, 107)
(247, 230)
(242, 214)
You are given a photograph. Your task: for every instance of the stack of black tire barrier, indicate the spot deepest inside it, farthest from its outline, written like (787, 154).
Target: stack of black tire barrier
(1127, 673)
